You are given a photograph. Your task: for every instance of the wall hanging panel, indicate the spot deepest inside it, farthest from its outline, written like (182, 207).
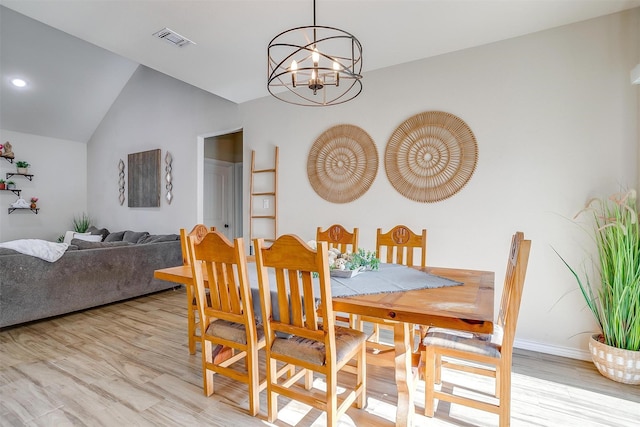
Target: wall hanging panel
(342, 163)
(144, 179)
(431, 156)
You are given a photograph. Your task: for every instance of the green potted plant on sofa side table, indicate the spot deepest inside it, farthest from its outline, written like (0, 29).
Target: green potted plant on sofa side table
(615, 303)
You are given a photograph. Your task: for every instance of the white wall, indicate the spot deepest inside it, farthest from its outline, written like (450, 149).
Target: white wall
(556, 123)
(60, 183)
(153, 111)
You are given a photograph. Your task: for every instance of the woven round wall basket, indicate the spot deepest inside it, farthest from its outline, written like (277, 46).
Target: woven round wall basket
(431, 156)
(615, 363)
(342, 163)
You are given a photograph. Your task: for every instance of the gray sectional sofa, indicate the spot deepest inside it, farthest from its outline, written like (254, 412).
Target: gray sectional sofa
(89, 274)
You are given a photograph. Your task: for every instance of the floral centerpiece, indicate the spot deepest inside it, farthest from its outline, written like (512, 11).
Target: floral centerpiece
(351, 263)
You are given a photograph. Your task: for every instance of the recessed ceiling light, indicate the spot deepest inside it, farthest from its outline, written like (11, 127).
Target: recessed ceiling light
(18, 82)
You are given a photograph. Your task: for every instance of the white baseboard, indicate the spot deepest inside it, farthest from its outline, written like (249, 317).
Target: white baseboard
(555, 350)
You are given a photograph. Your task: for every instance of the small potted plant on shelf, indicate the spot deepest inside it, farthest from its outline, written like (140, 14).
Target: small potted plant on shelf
(3, 185)
(11, 185)
(33, 202)
(23, 167)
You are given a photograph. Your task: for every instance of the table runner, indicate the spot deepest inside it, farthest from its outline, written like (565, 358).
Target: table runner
(389, 278)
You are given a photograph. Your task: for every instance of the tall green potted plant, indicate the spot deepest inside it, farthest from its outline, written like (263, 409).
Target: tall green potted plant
(614, 298)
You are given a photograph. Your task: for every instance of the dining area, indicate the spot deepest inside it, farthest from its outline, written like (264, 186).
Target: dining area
(284, 319)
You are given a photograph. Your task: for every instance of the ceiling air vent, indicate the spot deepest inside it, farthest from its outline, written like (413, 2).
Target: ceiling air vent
(172, 37)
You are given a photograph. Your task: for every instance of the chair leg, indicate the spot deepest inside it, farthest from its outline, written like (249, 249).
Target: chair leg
(353, 321)
(361, 377)
(332, 399)
(207, 375)
(308, 379)
(254, 380)
(375, 337)
(505, 392)
(191, 320)
(272, 397)
(358, 323)
(430, 370)
(438, 369)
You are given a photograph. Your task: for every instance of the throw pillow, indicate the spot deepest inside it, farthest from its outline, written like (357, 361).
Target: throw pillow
(114, 237)
(134, 236)
(101, 231)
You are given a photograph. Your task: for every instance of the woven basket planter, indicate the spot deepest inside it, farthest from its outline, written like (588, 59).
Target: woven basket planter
(615, 363)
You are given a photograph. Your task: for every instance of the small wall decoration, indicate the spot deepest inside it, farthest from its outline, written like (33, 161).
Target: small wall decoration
(431, 156)
(121, 181)
(144, 179)
(342, 163)
(7, 150)
(169, 186)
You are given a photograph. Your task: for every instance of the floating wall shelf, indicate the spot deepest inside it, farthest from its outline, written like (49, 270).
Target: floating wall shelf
(14, 191)
(26, 175)
(34, 210)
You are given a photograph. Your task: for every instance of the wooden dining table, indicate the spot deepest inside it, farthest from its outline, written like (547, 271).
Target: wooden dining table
(467, 307)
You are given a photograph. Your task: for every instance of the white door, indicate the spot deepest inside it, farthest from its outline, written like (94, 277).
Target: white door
(218, 196)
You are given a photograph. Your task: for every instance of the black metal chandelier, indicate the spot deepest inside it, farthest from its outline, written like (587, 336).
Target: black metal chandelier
(314, 65)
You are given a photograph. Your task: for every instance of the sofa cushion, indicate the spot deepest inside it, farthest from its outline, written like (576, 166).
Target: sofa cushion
(83, 244)
(114, 237)
(134, 236)
(101, 231)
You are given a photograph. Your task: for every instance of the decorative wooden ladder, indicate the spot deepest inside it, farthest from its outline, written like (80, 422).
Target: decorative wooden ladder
(266, 190)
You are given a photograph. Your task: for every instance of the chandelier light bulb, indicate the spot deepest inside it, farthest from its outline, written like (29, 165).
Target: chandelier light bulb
(315, 56)
(18, 83)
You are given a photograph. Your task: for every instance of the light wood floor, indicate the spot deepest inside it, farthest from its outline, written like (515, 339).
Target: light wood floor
(127, 364)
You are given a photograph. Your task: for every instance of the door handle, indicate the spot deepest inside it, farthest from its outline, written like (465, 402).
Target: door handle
(226, 226)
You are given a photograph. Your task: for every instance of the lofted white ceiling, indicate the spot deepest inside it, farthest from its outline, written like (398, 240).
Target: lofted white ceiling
(231, 36)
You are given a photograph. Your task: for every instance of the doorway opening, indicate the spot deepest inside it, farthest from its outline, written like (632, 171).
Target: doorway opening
(222, 183)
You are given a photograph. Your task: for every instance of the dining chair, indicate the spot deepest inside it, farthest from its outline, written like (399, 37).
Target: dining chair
(199, 230)
(399, 245)
(226, 313)
(338, 237)
(294, 337)
(487, 355)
